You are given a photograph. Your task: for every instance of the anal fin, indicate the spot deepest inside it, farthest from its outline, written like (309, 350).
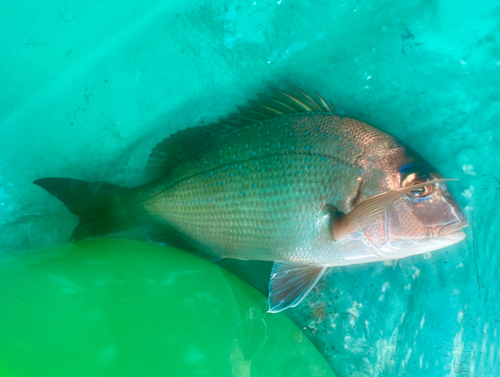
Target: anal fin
(290, 283)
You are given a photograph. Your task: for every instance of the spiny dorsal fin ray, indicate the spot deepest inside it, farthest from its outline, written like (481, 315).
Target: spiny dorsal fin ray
(324, 105)
(244, 119)
(290, 100)
(189, 142)
(303, 96)
(263, 109)
(276, 104)
(183, 145)
(249, 113)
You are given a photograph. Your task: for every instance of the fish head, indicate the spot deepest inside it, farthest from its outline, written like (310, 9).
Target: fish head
(423, 220)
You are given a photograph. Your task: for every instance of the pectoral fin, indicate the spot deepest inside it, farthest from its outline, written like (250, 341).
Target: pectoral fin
(290, 283)
(367, 212)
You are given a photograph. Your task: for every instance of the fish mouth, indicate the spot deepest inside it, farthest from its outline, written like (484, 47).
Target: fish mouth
(449, 229)
(450, 234)
(444, 235)
(453, 238)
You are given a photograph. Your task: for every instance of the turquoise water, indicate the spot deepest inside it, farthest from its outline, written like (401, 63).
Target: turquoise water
(88, 89)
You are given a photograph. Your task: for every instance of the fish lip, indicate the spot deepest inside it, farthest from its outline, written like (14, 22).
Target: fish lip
(452, 228)
(387, 250)
(455, 236)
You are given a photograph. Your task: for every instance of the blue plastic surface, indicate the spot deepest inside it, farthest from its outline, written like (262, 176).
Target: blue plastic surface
(87, 89)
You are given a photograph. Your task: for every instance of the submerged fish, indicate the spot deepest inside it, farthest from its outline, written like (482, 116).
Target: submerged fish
(285, 180)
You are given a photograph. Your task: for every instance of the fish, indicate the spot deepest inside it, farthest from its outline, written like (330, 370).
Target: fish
(286, 179)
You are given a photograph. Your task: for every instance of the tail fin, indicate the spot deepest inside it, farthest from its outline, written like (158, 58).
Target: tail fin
(102, 207)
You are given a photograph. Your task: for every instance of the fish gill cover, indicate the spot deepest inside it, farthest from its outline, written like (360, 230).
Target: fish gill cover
(87, 92)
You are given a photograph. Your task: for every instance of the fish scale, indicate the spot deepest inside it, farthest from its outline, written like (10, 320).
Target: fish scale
(258, 192)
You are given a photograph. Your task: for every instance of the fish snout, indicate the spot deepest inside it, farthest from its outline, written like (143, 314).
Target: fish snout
(453, 222)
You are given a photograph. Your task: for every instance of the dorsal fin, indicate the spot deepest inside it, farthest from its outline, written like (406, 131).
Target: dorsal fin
(191, 141)
(183, 144)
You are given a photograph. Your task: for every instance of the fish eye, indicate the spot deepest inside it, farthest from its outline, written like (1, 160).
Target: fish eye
(414, 179)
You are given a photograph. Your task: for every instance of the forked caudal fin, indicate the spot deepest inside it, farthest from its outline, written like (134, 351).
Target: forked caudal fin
(100, 206)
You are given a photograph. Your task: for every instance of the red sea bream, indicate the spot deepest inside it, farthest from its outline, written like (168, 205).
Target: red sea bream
(286, 180)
